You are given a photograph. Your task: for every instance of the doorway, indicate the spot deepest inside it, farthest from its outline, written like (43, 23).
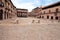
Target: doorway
(51, 17)
(42, 16)
(1, 14)
(47, 17)
(56, 18)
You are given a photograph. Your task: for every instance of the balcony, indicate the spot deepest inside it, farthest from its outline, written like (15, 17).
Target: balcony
(1, 4)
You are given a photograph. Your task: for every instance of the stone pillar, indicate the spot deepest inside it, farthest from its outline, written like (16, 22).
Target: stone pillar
(3, 9)
(6, 16)
(3, 14)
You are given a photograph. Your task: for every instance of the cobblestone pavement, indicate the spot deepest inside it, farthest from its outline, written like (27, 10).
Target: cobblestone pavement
(27, 29)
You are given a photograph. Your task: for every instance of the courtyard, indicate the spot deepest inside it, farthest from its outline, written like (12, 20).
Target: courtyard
(27, 29)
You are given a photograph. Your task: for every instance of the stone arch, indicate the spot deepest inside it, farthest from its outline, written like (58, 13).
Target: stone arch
(47, 17)
(51, 17)
(56, 17)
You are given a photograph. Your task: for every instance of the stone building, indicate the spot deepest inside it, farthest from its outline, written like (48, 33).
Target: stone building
(48, 12)
(51, 11)
(22, 12)
(7, 9)
(35, 12)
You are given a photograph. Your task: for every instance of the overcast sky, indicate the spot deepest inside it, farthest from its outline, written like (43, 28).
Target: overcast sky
(31, 4)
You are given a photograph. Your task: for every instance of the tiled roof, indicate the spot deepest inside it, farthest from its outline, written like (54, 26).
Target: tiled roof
(52, 5)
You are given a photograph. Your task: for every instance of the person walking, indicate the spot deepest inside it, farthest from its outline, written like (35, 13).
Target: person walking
(38, 21)
(33, 21)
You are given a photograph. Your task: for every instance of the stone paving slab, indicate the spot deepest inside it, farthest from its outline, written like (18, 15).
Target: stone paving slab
(30, 32)
(46, 30)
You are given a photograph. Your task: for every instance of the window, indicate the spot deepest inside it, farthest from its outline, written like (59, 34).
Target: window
(1, 4)
(57, 9)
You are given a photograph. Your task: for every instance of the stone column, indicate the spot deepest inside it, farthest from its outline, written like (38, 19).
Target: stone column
(6, 15)
(3, 14)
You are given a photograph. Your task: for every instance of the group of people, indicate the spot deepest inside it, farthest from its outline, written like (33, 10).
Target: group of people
(38, 21)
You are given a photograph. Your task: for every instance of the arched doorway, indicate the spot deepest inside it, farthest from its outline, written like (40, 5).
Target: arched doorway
(1, 14)
(40, 16)
(5, 15)
(56, 18)
(51, 17)
(47, 17)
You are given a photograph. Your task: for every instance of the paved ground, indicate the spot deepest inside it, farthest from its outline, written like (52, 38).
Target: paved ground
(27, 29)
